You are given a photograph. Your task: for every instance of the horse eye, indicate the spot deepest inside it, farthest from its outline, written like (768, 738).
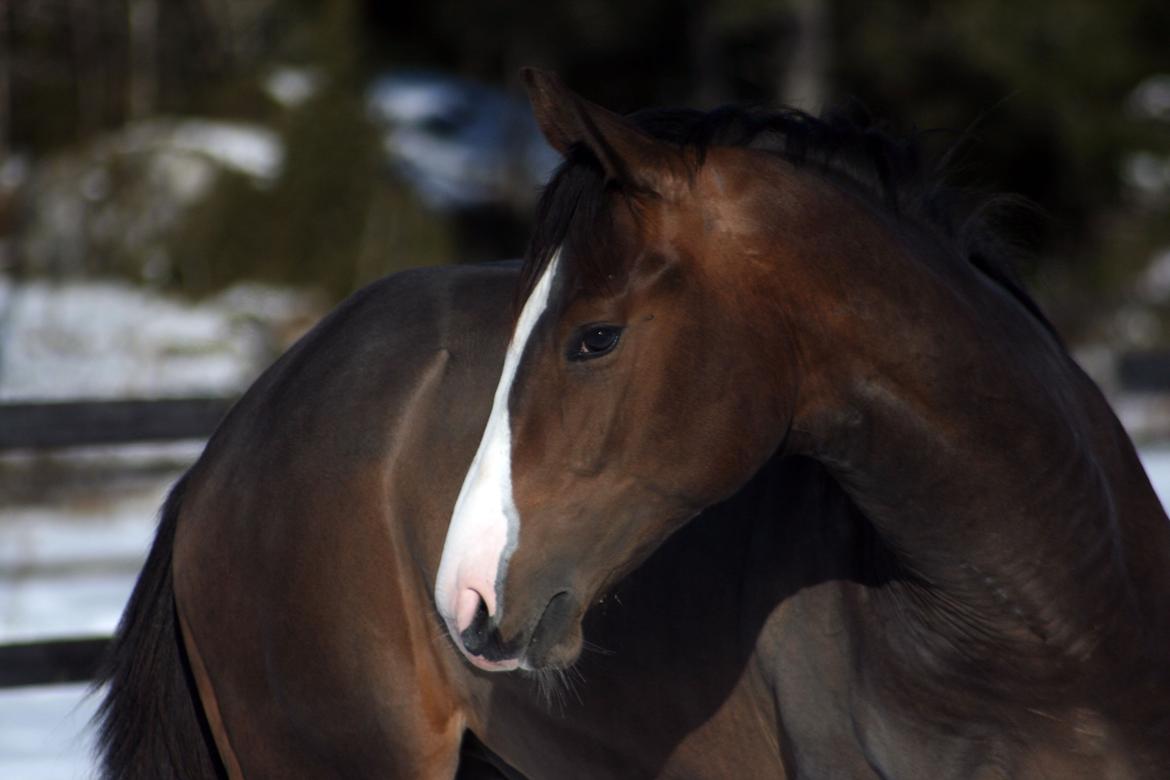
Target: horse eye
(595, 341)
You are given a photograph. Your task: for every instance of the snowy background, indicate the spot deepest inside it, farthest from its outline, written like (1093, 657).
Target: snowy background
(75, 524)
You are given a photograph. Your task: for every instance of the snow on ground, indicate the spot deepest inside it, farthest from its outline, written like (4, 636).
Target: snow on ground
(251, 150)
(115, 340)
(43, 734)
(67, 571)
(75, 524)
(68, 562)
(1156, 459)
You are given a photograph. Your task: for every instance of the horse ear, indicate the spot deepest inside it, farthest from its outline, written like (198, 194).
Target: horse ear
(628, 156)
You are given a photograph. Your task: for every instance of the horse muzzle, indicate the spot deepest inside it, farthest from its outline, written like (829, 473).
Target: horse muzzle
(552, 640)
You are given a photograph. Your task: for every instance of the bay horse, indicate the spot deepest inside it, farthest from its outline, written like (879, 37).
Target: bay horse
(776, 471)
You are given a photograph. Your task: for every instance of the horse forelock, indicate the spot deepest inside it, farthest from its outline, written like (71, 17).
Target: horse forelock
(574, 222)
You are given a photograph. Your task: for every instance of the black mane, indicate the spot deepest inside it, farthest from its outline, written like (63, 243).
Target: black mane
(846, 146)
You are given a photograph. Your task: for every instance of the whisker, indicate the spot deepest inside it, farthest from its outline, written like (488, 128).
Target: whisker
(593, 647)
(552, 687)
(572, 678)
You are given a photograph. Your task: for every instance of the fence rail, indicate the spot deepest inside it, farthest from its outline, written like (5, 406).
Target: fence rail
(73, 423)
(51, 661)
(1144, 371)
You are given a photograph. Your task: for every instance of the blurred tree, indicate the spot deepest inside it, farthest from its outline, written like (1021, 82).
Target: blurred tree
(5, 78)
(76, 67)
(805, 83)
(144, 44)
(1042, 85)
(331, 218)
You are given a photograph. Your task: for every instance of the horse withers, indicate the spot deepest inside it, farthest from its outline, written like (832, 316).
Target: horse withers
(783, 475)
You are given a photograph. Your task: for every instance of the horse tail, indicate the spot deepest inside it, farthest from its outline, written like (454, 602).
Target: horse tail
(150, 723)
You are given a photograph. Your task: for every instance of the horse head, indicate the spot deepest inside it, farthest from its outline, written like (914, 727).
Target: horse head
(631, 395)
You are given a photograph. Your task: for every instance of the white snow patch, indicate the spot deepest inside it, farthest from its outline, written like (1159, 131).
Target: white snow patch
(249, 149)
(1151, 98)
(1148, 173)
(68, 565)
(1156, 459)
(291, 86)
(114, 340)
(44, 734)
(1154, 284)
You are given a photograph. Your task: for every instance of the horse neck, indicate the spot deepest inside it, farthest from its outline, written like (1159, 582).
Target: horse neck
(987, 461)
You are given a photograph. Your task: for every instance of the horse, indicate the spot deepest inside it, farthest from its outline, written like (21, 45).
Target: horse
(762, 463)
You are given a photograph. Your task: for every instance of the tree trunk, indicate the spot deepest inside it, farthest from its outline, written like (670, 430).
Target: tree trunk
(709, 69)
(143, 77)
(805, 82)
(90, 69)
(5, 81)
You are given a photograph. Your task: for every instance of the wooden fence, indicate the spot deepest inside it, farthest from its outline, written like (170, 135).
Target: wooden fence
(76, 423)
(51, 661)
(73, 423)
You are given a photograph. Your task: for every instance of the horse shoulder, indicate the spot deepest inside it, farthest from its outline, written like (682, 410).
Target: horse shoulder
(309, 531)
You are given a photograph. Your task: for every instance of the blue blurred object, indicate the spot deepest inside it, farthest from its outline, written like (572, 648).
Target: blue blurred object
(459, 144)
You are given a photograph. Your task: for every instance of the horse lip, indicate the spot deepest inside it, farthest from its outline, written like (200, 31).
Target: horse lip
(506, 665)
(560, 608)
(478, 661)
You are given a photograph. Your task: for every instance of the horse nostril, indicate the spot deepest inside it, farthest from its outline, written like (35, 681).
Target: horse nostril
(466, 606)
(477, 635)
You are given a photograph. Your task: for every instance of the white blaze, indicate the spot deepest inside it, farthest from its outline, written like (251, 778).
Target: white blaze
(485, 526)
